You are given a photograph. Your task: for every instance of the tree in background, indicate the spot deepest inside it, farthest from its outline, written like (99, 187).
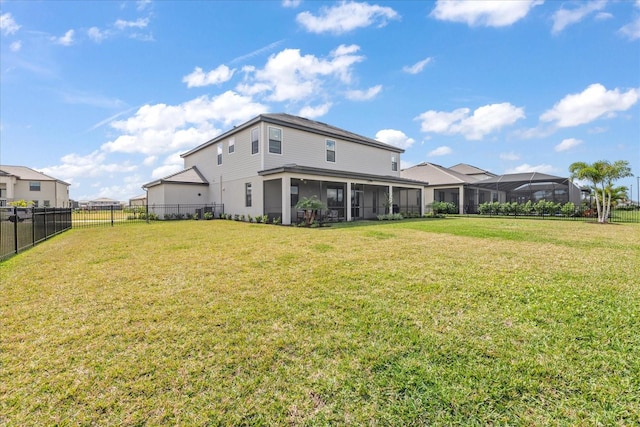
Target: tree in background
(601, 175)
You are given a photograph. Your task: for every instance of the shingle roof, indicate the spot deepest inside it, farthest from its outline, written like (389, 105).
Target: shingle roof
(28, 174)
(187, 176)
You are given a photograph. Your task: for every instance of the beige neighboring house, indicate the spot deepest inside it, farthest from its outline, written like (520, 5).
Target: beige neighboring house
(23, 183)
(140, 200)
(467, 186)
(103, 203)
(264, 166)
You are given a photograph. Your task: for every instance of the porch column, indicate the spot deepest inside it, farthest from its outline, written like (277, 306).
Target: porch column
(348, 201)
(390, 201)
(422, 201)
(461, 201)
(286, 200)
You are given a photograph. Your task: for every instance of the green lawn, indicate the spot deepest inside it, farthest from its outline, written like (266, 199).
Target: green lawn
(459, 321)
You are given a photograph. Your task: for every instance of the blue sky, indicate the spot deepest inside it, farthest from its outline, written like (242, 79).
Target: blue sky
(107, 94)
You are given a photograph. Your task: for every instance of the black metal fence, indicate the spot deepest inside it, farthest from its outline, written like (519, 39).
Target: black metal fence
(84, 218)
(22, 228)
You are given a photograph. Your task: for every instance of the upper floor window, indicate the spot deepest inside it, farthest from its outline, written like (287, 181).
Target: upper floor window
(219, 154)
(247, 194)
(331, 151)
(394, 163)
(275, 140)
(232, 145)
(34, 185)
(255, 143)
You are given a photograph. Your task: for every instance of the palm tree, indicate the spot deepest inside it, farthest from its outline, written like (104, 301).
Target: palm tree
(602, 174)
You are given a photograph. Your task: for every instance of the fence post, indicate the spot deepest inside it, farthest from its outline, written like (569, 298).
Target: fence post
(112, 215)
(146, 208)
(15, 230)
(33, 227)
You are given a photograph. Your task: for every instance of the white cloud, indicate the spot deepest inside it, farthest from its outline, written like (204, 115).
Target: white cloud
(524, 168)
(592, 103)
(567, 144)
(8, 25)
(483, 13)
(91, 165)
(602, 16)
(15, 46)
(484, 120)
(313, 112)
(66, 40)
(345, 17)
(417, 67)
(631, 30)
(394, 137)
(161, 128)
(96, 34)
(509, 156)
(121, 24)
(440, 151)
(199, 78)
(364, 95)
(291, 3)
(289, 76)
(172, 164)
(564, 17)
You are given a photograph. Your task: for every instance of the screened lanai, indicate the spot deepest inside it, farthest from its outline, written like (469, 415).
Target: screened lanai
(346, 196)
(534, 186)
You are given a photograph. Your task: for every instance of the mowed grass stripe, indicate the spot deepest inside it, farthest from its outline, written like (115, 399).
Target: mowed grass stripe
(457, 321)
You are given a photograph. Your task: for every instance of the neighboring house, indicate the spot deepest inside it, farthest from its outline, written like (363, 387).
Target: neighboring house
(23, 183)
(140, 200)
(104, 203)
(475, 186)
(264, 166)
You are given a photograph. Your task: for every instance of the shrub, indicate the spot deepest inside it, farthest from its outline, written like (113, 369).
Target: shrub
(208, 215)
(249, 218)
(568, 209)
(258, 218)
(276, 221)
(444, 208)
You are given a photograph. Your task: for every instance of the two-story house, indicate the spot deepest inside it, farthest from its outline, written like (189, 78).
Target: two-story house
(23, 183)
(264, 166)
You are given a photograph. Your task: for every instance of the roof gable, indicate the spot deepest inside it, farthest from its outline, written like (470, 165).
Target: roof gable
(187, 176)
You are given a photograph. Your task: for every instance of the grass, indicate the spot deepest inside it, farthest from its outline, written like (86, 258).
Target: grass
(420, 322)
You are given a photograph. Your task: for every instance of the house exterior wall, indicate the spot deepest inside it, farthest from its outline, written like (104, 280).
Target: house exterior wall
(309, 149)
(53, 192)
(227, 181)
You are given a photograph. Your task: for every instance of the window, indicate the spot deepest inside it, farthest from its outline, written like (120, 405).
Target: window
(335, 197)
(232, 145)
(331, 151)
(34, 185)
(219, 154)
(47, 203)
(295, 193)
(35, 203)
(394, 164)
(255, 144)
(275, 140)
(247, 194)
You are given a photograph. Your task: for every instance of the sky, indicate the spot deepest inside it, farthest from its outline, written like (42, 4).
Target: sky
(106, 95)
